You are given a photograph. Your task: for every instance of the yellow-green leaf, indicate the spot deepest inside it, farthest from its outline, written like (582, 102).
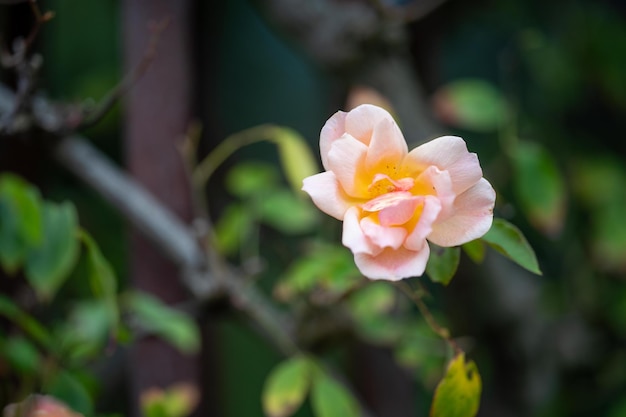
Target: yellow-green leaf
(247, 179)
(232, 228)
(458, 393)
(509, 241)
(154, 316)
(329, 398)
(295, 156)
(178, 400)
(286, 387)
(101, 275)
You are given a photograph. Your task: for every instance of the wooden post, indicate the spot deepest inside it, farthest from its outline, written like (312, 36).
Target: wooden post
(158, 112)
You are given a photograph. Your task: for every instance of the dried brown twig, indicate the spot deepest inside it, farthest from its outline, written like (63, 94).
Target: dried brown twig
(26, 68)
(73, 119)
(123, 87)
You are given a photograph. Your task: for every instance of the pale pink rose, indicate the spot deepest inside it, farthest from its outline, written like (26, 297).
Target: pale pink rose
(39, 406)
(391, 201)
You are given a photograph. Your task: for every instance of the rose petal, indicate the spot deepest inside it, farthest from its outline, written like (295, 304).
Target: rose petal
(425, 223)
(327, 195)
(346, 159)
(386, 200)
(448, 153)
(361, 120)
(472, 217)
(332, 130)
(353, 236)
(387, 145)
(434, 180)
(381, 236)
(399, 213)
(393, 265)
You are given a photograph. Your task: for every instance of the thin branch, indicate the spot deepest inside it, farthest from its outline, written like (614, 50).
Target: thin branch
(416, 296)
(21, 46)
(26, 67)
(40, 19)
(205, 169)
(124, 86)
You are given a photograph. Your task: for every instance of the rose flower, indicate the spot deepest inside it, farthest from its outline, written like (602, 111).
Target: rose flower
(391, 201)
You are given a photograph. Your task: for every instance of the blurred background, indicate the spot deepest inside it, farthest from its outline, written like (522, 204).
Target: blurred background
(536, 88)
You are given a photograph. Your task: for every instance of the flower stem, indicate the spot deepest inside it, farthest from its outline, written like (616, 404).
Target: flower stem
(227, 147)
(417, 297)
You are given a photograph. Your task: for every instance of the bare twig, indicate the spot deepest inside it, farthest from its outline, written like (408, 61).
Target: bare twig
(26, 68)
(94, 116)
(40, 19)
(416, 297)
(21, 46)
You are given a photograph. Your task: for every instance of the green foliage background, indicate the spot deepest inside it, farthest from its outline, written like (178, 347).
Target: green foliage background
(556, 157)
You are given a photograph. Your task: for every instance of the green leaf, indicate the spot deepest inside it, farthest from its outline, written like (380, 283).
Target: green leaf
(286, 387)
(181, 399)
(379, 329)
(509, 241)
(48, 265)
(539, 186)
(247, 179)
(442, 263)
(295, 156)
(12, 247)
(608, 236)
(458, 393)
(420, 349)
(20, 221)
(154, 316)
(25, 198)
(475, 250)
(178, 400)
(232, 228)
(472, 104)
(65, 386)
(374, 299)
(329, 398)
(101, 277)
(29, 325)
(20, 353)
(88, 329)
(288, 213)
(301, 276)
(329, 268)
